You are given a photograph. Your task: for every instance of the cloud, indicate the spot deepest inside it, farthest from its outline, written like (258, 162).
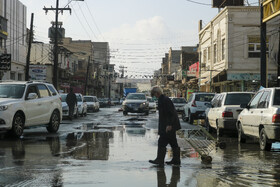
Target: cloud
(142, 31)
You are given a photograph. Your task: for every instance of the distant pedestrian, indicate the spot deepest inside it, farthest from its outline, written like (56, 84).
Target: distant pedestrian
(71, 101)
(168, 125)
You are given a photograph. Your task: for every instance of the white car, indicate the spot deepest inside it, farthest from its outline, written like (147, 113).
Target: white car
(136, 103)
(225, 110)
(65, 108)
(179, 103)
(26, 104)
(261, 118)
(152, 104)
(82, 105)
(196, 106)
(92, 103)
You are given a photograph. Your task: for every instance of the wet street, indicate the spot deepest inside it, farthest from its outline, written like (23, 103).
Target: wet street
(108, 149)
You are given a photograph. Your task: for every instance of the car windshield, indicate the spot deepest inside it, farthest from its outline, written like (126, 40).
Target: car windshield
(136, 96)
(89, 99)
(79, 98)
(179, 100)
(276, 100)
(204, 97)
(238, 98)
(151, 100)
(63, 97)
(12, 91)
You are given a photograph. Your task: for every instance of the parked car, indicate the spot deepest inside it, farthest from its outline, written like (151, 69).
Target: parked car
(27, 104)
(92, 103)
(115, 101)
(104, 102)
(261, 118)
(82, 105)
(136, 103)
(223, 114)
(65, 108)
(179, 103)
(152, 104)
(196, 106)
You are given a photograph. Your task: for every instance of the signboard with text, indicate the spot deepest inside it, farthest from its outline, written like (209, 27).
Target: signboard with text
(38, 72)
(5, 62)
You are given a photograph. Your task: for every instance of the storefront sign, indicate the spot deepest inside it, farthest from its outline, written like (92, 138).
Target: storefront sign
(246, 76)
(38, 72)
(191, 73)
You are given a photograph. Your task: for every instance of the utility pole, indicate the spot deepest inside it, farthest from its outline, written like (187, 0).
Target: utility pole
(122, 76)
(29, 49)
(263, 66)
(87, 75)
(55, 51)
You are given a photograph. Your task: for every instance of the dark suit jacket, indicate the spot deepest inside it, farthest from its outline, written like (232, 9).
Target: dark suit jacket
(167, 115)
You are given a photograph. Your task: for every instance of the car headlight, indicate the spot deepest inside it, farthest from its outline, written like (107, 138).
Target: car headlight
(3, 107)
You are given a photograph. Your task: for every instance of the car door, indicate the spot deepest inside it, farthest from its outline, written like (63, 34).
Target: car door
(212, 114)
(32, 106)
(250, 118)
(261, 113)
(46, 104)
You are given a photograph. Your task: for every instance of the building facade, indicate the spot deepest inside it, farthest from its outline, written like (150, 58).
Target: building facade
(229, 48)
(15, 14)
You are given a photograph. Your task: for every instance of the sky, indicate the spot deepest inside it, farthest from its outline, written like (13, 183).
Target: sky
(139, 32)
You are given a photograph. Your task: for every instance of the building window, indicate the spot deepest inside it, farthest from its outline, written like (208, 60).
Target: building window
(204, 56)
(254, 46)
(223, 49)
(215, 53)
(13, 76)
(209, 53)
(20, 77)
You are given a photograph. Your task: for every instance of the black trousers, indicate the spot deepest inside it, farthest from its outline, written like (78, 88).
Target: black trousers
(168, 138)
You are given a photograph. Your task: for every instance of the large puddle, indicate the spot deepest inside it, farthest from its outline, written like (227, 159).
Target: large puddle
(96, 154)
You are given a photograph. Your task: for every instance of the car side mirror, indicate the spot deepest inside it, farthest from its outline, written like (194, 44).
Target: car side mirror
(244, 106)
(32, 96)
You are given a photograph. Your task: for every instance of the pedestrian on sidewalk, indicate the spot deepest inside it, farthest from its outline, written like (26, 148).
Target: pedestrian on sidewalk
(71, 101)
(168, 125)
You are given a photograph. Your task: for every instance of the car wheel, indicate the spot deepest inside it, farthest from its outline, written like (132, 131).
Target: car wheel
(264, 144)
(184, 117)
(77, 114)
(124, 113)
(241, 135)
(219, 130)
(18, 125)
(53, 126)
(190, 118)
(207, 125)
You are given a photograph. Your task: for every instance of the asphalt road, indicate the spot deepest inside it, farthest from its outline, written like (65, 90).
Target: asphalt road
(108, 149)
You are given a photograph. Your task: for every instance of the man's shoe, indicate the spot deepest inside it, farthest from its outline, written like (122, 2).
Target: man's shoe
(160, 157)
(176, 157)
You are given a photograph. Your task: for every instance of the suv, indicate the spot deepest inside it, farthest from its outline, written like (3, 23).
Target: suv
(225, 109)
(92, 103)
(136, 103)
(82, 105)
(26, 104)
(179, 103)
(196, 106)
(261, 118)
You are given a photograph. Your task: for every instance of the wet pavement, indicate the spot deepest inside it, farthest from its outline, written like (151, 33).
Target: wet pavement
(112, 150)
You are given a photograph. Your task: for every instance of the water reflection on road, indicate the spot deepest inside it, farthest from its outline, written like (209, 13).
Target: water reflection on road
(92, 153)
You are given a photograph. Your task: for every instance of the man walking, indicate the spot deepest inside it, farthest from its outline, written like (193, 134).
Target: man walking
(71, 101)
(168, 125)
